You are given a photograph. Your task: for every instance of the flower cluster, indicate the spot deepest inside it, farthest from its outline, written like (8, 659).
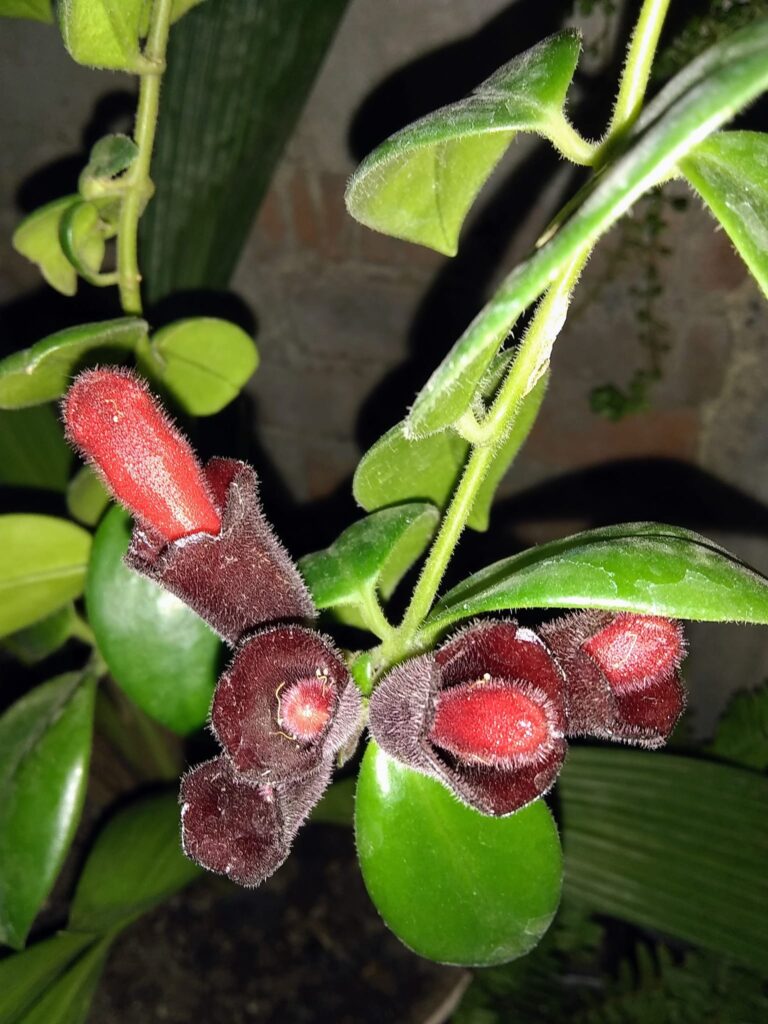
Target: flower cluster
(286, 705)
(488, 713)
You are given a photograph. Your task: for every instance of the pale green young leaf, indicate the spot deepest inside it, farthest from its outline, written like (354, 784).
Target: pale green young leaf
(37, 239)
(102, 33)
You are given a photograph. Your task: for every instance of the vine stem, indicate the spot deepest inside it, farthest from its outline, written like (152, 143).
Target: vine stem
(139, 184)
(532, 358)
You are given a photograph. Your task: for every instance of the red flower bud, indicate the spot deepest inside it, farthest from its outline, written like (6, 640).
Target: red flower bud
(285, 705)
(122, 430)
(237, 829)
(622, 678)
(484, 715)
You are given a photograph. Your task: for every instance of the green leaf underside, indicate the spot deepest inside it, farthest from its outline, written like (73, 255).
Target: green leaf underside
(26, 975)
(730, 172)
(374, 552)
(42, 567)
(44, 371)
(35, 10)
(45, 746)
(68, 999)
(203, 363)
(419, 184)
(648, 568)
(144, 839)
(37, 239)
(399, 468)
(87, 497)
(454, 885)
(110, 156)
(700, 99)
(38, 641)
(159, 652)
(742, 733)
(669, 843)
(33, 452)
(102, 33)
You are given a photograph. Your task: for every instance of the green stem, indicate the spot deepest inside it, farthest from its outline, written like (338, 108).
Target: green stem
(375, 619)
(637, 70)
(139, 184)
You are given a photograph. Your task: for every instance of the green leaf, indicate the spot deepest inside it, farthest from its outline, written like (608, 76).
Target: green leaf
(742, 733)
(454, 885)
(696, 102)
(373, 553)
(238, 75)
(82, 233)
(730, 172)
(87, 497)
(45, 747)
(110, 156)
(33, 452)
(36, 10)
(68, 999)
(420, 183)
(40, 640)
(42, 567)
(337, 805)
(24, 976)
(669, 843)
(398, 469)
(203, 363)
(102, 33)
(143, 839)
(159, 652)
(37, 239)
(180, 8)
(648, 568)
(44, 371)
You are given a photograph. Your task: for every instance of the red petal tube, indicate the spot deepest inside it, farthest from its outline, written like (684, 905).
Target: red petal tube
(259, 709)
(238, 580)
(484, 715)
(122, 430)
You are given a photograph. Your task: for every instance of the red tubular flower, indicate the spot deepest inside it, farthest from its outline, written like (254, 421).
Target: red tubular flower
(124, 432)
(241, 830)
(484, 715)
(622, 674)
(285, 705)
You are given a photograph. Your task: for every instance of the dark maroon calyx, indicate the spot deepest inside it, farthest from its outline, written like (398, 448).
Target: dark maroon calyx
(484, 715)
(285, 704)
(622, 677)
(237, 580)
(240, 830)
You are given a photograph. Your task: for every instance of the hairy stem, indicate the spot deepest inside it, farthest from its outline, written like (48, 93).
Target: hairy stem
(637, 70)
(138, 183)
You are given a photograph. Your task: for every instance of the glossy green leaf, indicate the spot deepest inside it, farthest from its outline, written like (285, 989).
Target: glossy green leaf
(742, 732)
(87, 497)
(35, 10)
(68, 999)
(373, 553)
(102, 33)
(44, 371)
(159, 652)
(648, 568)
(33, 452)
(397, 469)
(45, 747)
(454, 885)
(143, 839)
(420, 183)
(696, 102)
(729, 170)
(673, 844)
(37, 239)
(42, 567)
(110, 156)
(25, 976)
(203, 362)
(238, 75)
(40, 640)
(82, 233)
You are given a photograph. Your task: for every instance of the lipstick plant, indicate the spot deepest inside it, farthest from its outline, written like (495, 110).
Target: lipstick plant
(456, 718)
